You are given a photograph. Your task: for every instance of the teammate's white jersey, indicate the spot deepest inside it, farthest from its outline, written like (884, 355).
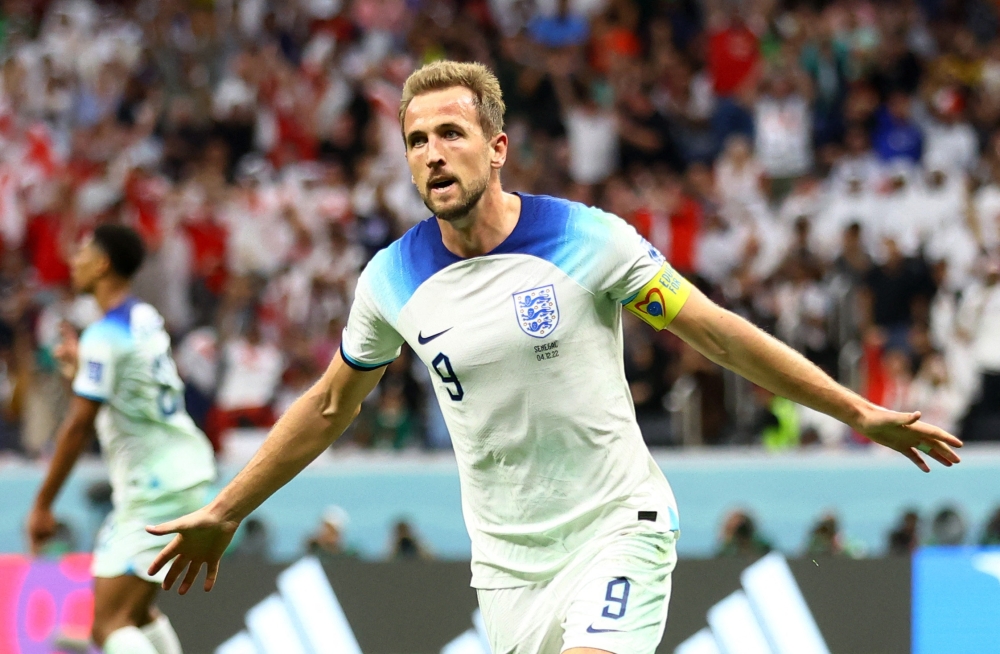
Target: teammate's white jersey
(150, 442)
(524, 346)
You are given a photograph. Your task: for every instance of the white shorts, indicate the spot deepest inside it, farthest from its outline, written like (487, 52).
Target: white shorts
(613, 596)
(124, 547)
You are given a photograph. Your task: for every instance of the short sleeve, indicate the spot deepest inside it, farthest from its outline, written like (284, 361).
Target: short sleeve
(95, 374)
(631, 260)
(641, 279)
(369, 340)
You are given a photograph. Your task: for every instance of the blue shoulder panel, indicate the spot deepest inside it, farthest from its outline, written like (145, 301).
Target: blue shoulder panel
(109, 330)
(122, 314)
(562, 232)
(396, 272)
(566, 234)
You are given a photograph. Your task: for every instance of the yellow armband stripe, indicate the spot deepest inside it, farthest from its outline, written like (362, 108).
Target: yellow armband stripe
(660, 300)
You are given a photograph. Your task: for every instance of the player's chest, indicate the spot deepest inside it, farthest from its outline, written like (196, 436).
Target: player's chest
(495, 319)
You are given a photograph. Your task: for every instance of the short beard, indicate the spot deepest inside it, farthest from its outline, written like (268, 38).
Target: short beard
(469, 200)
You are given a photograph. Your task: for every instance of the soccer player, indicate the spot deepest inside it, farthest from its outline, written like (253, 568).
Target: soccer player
(514, 303)
(125, 383)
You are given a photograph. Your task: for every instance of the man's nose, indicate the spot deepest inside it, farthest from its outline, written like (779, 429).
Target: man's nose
(435, 157)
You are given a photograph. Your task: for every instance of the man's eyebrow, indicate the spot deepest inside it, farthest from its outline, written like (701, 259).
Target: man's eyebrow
(436, 128)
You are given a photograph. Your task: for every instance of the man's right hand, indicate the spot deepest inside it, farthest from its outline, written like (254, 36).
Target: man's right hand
(67, 351)
(41, 526)
(201, 539)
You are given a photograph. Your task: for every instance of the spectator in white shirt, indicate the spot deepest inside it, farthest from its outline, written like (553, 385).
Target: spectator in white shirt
(979, 322)
(783, 126)
(591, 128)
(986, 208)
(940, 401)
(738, 175)
(949, 139)
(858, 161)
(250, 374)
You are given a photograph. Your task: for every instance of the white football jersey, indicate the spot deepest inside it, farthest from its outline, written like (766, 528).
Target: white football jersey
(149, 441)
(524, 347)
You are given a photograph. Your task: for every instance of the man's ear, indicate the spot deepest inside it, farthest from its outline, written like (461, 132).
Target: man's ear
(104, 264)
(498, 150)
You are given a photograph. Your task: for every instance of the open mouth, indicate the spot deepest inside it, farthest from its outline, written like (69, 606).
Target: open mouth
(441, 184)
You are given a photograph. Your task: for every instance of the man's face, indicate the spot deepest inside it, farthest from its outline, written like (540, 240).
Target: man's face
(449, 156)
(89, 264)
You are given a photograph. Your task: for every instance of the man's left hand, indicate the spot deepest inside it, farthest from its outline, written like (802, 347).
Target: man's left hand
(905, 433)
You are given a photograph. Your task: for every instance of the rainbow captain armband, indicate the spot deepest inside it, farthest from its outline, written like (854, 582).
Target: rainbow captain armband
(660, 300)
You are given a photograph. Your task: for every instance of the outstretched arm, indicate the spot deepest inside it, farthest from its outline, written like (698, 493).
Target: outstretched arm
(73, 435)
(310, 425)
(731, 341)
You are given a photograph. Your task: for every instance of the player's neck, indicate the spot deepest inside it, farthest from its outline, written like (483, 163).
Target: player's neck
(110, 292)
(487, 225)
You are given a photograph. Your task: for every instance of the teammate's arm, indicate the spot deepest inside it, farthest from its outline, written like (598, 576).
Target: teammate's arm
(310, 425)
(730, 341)
(72, 438)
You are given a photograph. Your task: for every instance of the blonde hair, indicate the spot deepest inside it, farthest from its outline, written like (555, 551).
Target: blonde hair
(476, 77)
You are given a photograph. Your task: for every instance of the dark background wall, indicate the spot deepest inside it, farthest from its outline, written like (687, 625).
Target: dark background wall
(861, 607)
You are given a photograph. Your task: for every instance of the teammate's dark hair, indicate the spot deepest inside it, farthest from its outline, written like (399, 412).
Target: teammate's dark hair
(124, 248)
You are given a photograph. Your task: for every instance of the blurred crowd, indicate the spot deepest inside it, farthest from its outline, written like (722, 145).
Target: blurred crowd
(741, 536)
(830, 170)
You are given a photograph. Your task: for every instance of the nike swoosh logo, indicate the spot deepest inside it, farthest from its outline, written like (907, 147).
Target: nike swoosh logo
(591, 630)
(424, 340)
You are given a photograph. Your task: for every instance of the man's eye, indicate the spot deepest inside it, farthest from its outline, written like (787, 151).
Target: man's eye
(417, 142)
(450, 134)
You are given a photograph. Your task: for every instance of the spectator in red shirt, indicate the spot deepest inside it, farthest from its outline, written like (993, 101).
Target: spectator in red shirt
(50, 239)
(733, 55)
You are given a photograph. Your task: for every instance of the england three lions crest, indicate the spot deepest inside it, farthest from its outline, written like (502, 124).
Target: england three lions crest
(537, 311)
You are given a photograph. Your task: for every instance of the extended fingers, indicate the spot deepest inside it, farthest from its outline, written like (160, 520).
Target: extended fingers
(193, 569)
(165, 528)
(942, 450)
(211, 575)
(936, 433)
(941, 458)
(912, 454)
(176, 569)
(167, 553)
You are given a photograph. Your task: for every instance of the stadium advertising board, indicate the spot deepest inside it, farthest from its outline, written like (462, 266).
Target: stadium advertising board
(956, 600)
(418, 607)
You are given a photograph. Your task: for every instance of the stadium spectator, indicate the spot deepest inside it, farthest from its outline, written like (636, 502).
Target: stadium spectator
(894, 292)
(733, 53)
(405, 544)
(897, 136)
(251, 371)
(198, 364)
(560, 30)
(740, 537)
(948, 527)
(254, 541)
(991, 530)
(825, 538)
(647, 369)
(591, 126)
(783, 124)
(258, 153)
(328, 541)
(978, 322)
(905, 537)
(940, 396)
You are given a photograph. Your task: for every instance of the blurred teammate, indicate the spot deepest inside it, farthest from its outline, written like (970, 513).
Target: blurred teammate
(514, 302)
(125, 383)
